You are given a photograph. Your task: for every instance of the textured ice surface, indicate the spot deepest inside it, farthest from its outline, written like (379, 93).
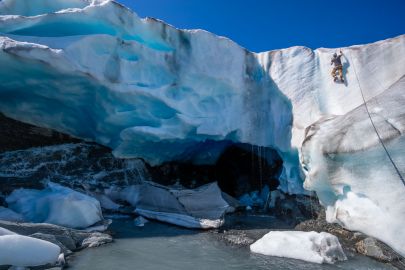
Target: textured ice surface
(308, 246)
(141, 87)
(56, 205)
(23, 251)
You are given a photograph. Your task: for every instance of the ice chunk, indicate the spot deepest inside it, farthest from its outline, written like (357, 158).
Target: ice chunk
(57, 205)
(308, 246)
(203, 207)
(24, 251)
(140, 221)
(10, 215)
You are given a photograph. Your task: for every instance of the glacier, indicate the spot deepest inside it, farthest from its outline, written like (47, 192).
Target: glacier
(95, 70)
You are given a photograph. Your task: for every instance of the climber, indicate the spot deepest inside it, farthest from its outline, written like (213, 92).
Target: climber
(338, 67)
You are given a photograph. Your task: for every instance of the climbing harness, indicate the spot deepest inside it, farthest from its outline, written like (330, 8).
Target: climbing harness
(372, 123)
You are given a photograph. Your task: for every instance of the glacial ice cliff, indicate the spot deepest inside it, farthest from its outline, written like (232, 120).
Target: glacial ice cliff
(95, 70)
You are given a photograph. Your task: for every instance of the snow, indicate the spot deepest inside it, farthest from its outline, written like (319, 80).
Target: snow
(95, 70)
(308, 246)
(56, 205)
(23, 251)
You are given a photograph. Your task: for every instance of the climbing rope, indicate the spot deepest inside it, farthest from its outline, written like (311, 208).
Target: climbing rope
(372, 123)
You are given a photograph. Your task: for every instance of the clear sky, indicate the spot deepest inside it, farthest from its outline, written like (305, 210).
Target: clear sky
(261, 25)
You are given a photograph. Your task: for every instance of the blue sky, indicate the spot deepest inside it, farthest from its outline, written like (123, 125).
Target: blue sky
(261, 25)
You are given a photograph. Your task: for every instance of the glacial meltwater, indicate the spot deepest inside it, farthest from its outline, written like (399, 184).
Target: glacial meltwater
(164, 247)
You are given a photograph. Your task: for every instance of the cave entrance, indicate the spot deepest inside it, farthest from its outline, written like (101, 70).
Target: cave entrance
(240, 169)
(243, 168)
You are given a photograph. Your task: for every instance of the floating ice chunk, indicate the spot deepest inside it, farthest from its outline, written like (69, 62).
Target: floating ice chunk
(57, 205)
(24, 251)
(10, 215)
(140, 221)
(307, 246)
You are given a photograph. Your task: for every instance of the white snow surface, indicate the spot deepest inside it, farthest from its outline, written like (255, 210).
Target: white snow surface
(56, 205)
(95, 70)
(23, 251)
(308, 246)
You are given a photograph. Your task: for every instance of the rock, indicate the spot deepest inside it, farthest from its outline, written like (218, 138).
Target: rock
(16, 135)
(96, 239)
(373, 248)
(52, 239)
(70, 238)
(239, 239)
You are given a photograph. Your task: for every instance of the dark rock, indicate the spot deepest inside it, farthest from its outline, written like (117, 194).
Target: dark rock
(373, 248)
(79, 166)
(70, 238)
(239, 239)
(16, 135)
(96, 239)
(52, 239)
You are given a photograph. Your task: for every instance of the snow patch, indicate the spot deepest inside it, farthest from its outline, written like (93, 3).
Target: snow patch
(307, 246)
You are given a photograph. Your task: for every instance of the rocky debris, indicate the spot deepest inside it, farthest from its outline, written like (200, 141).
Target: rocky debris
(16, 135)
(96, 239)
(373, 248)
(238, 239)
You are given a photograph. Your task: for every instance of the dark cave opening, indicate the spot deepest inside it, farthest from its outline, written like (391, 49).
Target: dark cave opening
(240, 169)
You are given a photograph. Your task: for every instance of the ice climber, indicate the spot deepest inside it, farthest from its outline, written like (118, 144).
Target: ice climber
(338, 67)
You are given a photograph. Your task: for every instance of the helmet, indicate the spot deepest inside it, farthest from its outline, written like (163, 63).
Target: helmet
(335, 55)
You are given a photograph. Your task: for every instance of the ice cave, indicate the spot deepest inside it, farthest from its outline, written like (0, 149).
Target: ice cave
(147, 101)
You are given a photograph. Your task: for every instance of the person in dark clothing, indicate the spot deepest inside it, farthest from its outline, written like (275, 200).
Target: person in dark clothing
(338, 67)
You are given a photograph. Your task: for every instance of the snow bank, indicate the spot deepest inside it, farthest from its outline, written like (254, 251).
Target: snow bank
(24, 251)
(56, 205)
(308, 246)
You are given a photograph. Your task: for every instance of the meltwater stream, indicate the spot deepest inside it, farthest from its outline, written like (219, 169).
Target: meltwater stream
(164, 247)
